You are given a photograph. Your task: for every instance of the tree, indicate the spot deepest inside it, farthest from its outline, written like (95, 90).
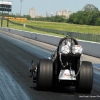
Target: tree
(97, 22)
(71, 18)
(90, 8)
(89, 16)
(27, 16)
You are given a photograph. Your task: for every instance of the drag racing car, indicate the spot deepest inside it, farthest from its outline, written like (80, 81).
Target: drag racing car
(64, 67)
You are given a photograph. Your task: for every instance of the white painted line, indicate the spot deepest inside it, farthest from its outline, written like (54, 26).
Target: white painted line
(96, 68)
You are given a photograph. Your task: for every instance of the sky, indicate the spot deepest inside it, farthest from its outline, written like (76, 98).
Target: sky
(50, 6)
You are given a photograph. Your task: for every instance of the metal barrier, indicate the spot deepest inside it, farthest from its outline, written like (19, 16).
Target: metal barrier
(88, 37)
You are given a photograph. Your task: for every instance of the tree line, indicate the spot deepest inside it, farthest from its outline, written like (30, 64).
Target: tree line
(52, 19)
(89, 15)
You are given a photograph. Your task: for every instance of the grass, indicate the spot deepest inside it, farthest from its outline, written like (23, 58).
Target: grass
(66, 27)
(57, 26)
(27, 29)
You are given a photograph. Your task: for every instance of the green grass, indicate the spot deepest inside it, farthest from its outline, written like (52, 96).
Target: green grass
(66, 27)
(58, 26)
(27, 29)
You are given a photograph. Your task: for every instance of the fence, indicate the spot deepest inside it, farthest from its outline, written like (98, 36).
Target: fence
(88, 37)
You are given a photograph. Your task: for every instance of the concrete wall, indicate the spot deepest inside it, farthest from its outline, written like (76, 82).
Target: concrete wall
(89, 48)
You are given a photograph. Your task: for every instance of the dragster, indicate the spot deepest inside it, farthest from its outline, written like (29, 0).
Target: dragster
(65, 67)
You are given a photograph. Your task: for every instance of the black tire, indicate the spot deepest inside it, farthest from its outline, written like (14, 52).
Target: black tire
(44, 74)
(85, 78)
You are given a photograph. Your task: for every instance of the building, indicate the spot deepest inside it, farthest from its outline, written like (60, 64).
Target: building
(38, 16)
(65, 13)
(32, 12)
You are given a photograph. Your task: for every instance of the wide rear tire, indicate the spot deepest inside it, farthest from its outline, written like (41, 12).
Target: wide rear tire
(44, 74)
(85, 78)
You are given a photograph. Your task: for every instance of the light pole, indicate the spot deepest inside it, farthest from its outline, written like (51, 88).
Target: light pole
(21, 7)
(2, 17)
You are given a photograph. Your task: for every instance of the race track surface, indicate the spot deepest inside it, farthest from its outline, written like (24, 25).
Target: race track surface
(15, 83)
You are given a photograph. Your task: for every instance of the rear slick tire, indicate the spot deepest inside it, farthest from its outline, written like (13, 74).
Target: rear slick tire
(44, 74)
(85, 78)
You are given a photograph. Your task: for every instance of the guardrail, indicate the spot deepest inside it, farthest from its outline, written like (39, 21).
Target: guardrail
(88, 37)
(89, 48)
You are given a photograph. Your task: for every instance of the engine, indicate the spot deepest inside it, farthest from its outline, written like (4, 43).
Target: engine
(69, 53)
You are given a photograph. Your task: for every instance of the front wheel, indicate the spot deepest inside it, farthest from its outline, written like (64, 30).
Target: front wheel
(85, 78)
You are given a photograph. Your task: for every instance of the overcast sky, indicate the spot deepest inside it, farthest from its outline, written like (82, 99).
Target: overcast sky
(50, 6)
